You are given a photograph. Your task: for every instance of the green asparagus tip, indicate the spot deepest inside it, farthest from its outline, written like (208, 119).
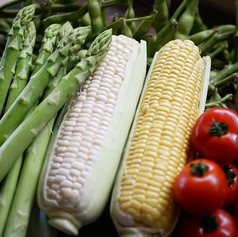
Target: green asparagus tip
(25, 15)
(64, 31)
(101, 44)
(51, 31)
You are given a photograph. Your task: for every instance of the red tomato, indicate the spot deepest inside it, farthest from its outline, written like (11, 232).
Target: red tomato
(219, 224)
(215, 135)
(235, 213)
(231, 173)
(201, 187)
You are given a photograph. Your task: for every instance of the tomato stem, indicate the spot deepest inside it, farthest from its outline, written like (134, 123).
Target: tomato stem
(230, 174)
(199, 169)
(209, 223)
(218, 128)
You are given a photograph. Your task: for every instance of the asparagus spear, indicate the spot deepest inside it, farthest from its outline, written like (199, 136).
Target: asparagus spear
(38, 81)
(11, 51)
(33, 124)
(23, 66)
(8, 186)
(19, 215)
(47, 46)
(20, 211)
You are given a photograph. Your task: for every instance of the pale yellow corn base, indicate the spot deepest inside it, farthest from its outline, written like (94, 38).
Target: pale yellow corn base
(82, 161)
(158, 148)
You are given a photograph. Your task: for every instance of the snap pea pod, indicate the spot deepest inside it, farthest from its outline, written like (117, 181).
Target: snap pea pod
(126, 30)
(33, 124)
(226, 71)
(74, 16)
(235, 57)
(201, 36)
(130, 14)
(214, 40)
(145, 25)
(169, 36)
(198, 24)
(170, 24)
(11, 51)
(95, 13)
(186, 20)
(220, 47)
(162, 18)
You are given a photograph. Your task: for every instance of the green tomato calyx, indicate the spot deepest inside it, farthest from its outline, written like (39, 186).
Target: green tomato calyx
(199, 168)
(218, 128)
(209, 224)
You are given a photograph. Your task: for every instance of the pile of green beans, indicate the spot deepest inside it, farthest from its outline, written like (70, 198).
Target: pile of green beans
(157, 28)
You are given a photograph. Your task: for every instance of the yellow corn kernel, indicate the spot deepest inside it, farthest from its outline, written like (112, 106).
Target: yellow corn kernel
(158, 147)
(84, 153)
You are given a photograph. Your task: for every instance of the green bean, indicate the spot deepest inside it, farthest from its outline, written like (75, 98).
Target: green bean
(73, 12)
(221, 29)
(9, 4)
(186, 20)
(213, 73)
(169, 36)
(95, 13)
(168, 3)
(217, 100)
(201, 36)
(198, 24)
(225, 80)
(162, 18)
(172, 21)
(129, 14)
(125, 29)
(220, 47)
(71, 17)
(85, 20)
(235, 56)
(145, 25)
(215, 39)
(226, 71)
(115, 26)
(217, 63)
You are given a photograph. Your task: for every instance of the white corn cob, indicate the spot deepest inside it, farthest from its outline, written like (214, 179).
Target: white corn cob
(83, 158)
(158, 146)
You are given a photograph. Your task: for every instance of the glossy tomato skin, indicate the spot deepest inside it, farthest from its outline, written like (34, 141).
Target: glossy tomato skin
(223, 148)
(191, 226)
(204, 194)
(235, 213)
(232, 179)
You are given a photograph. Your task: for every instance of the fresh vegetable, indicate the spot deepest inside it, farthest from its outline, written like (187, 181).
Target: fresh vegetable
(215, 135)
(31, 126)
(20, 79)
(231, 173)
(158, 147)
(235, 212)
(11, 51)
(67, 46)
(90, 138)
(197, 182)
(219, 224)
(218, 42)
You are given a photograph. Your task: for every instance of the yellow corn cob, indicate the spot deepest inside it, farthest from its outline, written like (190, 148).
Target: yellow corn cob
(84, 153)
(158, 146)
